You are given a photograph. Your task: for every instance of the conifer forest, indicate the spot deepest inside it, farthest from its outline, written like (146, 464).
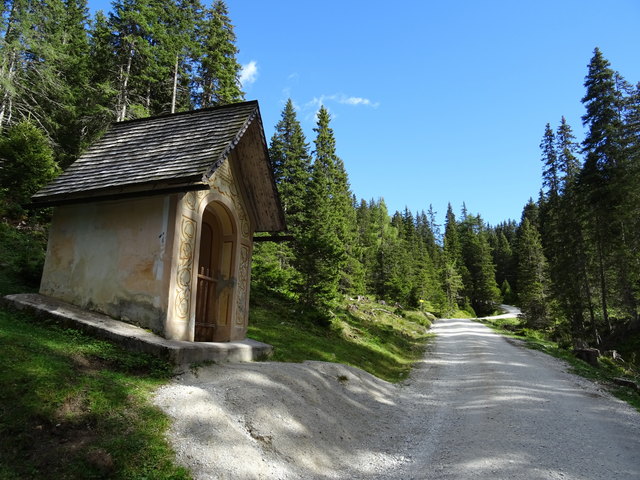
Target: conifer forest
(571, 262)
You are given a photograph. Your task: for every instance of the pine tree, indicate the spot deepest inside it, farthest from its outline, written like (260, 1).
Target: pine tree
(451, 239)
(480, 282)
(218, 71)
(65, 102)
(503, 259)
(454, 269)
(378, 240)
(291, 162)
(175, 49)
(532, 277)
(603, 149)
(568, 269)
(566, 148)
(278, 265)
(102, 104)
(551, 171)
(45, 71)
(323, 251)
(17, 23)
(132, 23)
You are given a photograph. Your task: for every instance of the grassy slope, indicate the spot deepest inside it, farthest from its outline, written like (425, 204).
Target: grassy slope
(75, 407)
(604, 374)
(365, 334)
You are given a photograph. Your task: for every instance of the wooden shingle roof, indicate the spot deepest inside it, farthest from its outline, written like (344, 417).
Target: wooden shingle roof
(168, 153)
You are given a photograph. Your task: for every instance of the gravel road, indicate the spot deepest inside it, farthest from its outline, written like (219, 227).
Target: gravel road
(478, 406)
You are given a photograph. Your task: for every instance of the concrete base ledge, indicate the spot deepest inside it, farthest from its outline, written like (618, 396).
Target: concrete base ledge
(180, 353)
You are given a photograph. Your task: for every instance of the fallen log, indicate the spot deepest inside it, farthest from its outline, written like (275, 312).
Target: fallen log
(625, 382)
(589, 355)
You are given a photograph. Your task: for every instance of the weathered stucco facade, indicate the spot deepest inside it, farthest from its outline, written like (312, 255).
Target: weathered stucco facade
(175, 262)
(113, 257)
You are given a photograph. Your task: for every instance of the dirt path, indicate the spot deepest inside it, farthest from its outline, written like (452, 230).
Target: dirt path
(477, 407)
(503, 411)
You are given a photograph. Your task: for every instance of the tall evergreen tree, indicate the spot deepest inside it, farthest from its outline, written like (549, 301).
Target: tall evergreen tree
(175, 49)
(132, 24)
(218, 71)
(291, 162)
(479, 278)
(551, 171)
(17, 24)
(278, 265)
(567, 148)
(603, 149)
(324, 252)
(532, 277)
(454, 270)
(451, 239)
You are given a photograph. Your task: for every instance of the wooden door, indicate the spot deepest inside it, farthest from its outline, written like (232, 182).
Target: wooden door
(214, 294)
(206, 297)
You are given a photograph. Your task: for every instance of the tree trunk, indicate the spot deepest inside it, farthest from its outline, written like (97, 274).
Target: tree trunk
(174, 91)
(603, 284)
(5, 105)
(122, 110)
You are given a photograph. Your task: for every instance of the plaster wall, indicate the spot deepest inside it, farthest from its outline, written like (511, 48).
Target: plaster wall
(114, 258)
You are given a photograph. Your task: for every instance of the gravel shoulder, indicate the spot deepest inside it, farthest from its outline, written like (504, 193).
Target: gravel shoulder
(477, 406)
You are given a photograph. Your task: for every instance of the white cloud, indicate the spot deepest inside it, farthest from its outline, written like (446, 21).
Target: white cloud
(312, 106)
(249, 73)
(343, 99)
(357, 101)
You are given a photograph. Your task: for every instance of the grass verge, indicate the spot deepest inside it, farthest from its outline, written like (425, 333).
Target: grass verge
(604, 374)
(75, 407)
(377, 338)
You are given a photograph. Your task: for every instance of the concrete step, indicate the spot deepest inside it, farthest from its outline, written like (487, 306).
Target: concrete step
(180, 354)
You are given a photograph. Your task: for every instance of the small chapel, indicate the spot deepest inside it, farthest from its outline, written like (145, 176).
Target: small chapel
(153, 225)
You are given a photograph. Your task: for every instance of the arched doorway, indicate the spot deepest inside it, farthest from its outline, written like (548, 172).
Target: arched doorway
(216, 281)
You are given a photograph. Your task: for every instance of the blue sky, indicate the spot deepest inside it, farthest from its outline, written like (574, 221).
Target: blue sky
(433, 102)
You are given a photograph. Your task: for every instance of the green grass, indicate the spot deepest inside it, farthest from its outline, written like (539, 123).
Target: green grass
(604, 374)
(75, 407)
(367, 335)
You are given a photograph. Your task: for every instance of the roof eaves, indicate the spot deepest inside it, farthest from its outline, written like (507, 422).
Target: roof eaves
(130, 191)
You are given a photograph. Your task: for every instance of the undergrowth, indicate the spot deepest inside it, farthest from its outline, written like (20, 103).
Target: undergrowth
(22, 252)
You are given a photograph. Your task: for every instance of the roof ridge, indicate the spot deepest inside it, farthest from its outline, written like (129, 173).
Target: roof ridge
(187, 112)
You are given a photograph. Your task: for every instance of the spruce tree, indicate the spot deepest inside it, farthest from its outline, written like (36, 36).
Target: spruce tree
(451, 239)
(603, 149)
(218, 71)
(323, 251)
(568, 268)
(17, 24)
(132, 24)
(567, 148)
(175, 50)
(551, 170)
(454, 270)
(532, 277)
(278, 265)
(289, 153)
(480, 282)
